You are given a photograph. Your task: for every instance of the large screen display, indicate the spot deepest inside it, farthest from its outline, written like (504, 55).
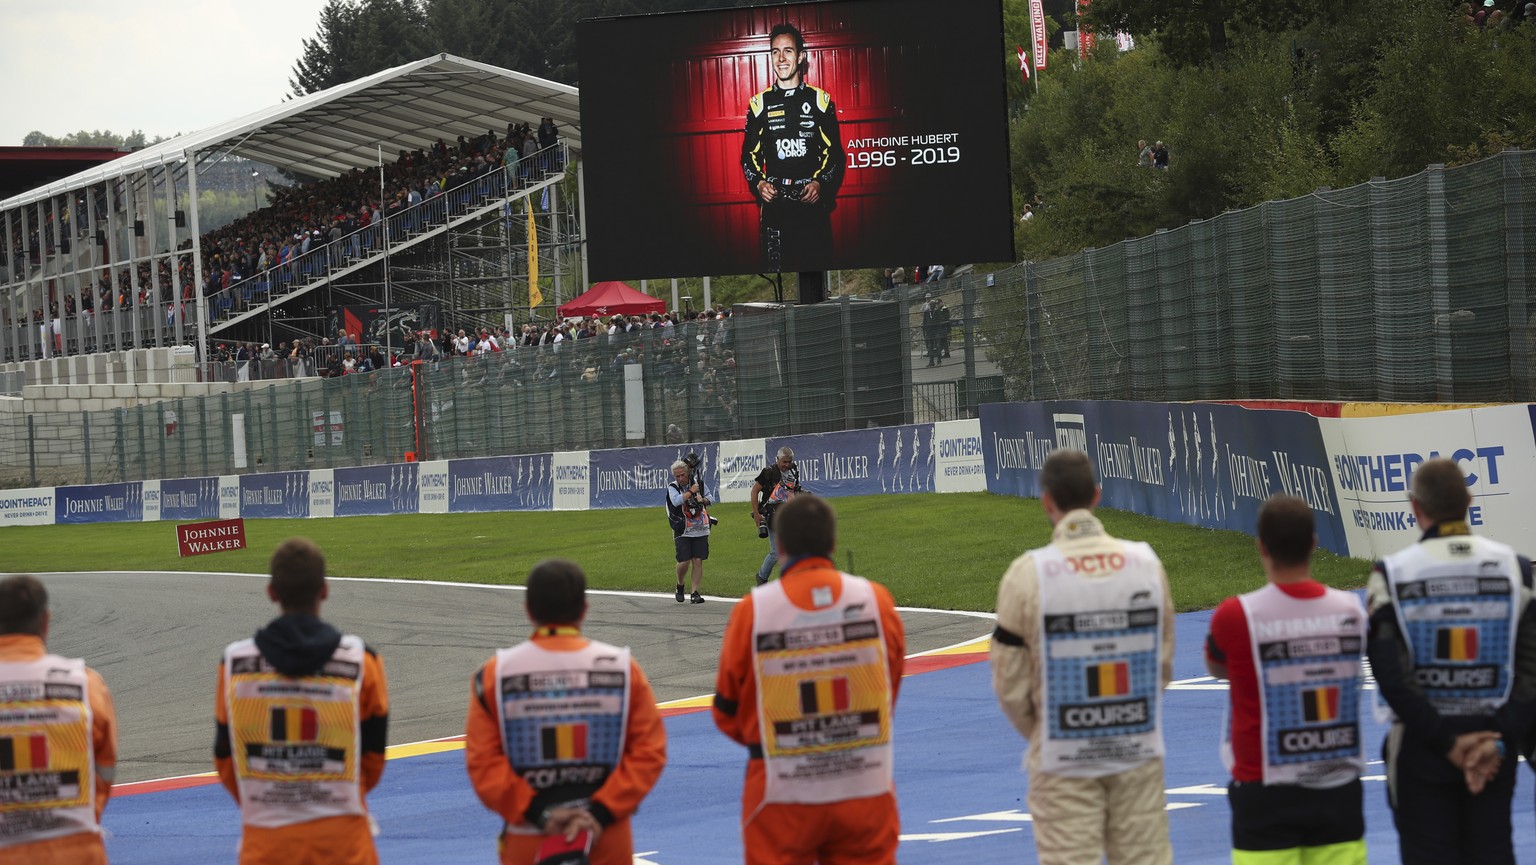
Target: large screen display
(802, 137)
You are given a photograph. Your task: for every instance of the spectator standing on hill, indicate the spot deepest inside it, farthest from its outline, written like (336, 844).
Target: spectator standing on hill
(808, 797)
(1160, 157)
(1291, 651)
(1452, 645)
(1143, 154)
(598, 725)
(1086, 691)
(59, 723)
(297, 689)
(933, 330)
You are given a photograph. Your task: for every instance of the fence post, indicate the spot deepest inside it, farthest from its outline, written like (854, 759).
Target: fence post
(85, 444)
(202, 430)
(847, 352)
(1439, 287)
(1032, 324)
(31, 451)
(968, 316)
(122, 443)
(1515, 273)
(792, 361)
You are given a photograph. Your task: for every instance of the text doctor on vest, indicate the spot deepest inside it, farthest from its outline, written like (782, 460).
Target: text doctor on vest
(1081, 654)
(1292, 652)
(302, 715)
(1453, 648)
(563, 735)
(57, 767)
(808, 676)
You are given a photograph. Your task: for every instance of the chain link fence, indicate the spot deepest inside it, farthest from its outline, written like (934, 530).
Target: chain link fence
(1412, 290)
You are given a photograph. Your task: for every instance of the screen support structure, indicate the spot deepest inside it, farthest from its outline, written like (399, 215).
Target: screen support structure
(813, 287)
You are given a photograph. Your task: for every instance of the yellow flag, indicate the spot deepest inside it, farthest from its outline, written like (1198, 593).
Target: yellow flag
(535, 297)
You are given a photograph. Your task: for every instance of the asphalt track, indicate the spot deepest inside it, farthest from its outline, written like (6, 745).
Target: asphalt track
(156, 637)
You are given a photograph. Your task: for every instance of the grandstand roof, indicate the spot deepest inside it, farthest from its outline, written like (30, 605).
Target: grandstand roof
(336, 130)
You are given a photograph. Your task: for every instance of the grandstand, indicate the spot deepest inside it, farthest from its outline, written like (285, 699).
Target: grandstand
(104, 260)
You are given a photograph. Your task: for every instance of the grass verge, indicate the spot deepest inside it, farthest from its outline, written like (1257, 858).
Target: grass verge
(946, 552)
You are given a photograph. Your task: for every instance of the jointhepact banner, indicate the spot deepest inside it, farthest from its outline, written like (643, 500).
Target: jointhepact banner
(1374, 458)
(1201, 464)
(31, 507)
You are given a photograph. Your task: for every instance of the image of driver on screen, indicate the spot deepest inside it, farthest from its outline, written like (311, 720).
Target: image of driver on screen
(793, 159)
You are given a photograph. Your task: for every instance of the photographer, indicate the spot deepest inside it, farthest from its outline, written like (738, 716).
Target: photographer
(686, 504)
(775, 485)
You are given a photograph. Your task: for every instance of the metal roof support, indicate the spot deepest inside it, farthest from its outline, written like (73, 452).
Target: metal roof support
(199, 301)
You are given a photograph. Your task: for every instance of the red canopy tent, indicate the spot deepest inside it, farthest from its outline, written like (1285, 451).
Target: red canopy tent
(610, 298)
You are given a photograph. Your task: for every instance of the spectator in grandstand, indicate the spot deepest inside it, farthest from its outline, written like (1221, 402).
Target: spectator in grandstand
(1095, 786)
(1302, 803)
(513, 732)
(1452, 644)
(688, 514)
(71, 734)
(298, 687)
(807, 798)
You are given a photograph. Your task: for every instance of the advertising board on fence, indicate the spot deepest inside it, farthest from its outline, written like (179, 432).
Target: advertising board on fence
(740, 463)
(99, 503)
(1374, 458)
(374, 490)
(30, 507)
(1201, 464)
(573, 491)
(276, 494)
(432, 487)
(515, 483)
(958, 466)
(637, 477)
(896, 459)
(184, 499)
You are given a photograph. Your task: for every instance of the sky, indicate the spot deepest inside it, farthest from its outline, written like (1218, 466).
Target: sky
(163, 66)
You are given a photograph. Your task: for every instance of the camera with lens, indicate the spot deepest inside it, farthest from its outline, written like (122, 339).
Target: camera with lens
(699, 501)
(789, 480)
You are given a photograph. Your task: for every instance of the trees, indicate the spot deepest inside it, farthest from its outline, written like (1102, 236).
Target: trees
(92, 138)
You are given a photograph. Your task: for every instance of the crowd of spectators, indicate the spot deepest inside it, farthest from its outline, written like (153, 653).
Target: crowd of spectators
(296, 220)
(305, 217)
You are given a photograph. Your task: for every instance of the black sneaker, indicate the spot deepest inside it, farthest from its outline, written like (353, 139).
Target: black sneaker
(696, 599)
(680, 597)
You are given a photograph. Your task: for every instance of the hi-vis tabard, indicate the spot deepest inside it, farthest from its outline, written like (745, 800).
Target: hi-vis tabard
(1457, 603)
(1307, 654)
(563, 716)
(823, 695)
(296, 741)
(1101, 687)
(47, 765)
